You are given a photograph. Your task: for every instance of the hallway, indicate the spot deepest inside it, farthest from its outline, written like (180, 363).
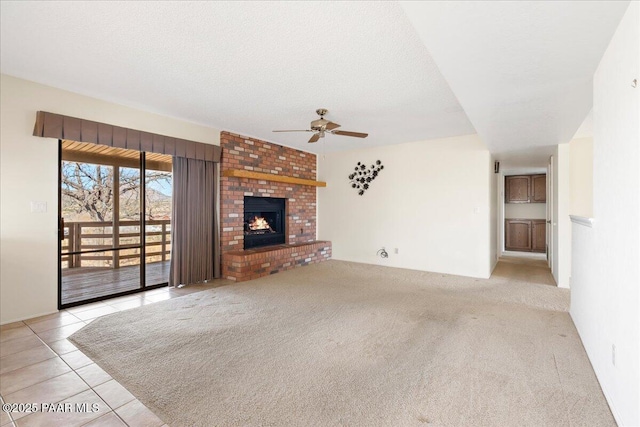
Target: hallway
(524, 269)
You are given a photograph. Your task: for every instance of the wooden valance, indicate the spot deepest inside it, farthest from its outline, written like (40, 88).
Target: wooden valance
(50, 125)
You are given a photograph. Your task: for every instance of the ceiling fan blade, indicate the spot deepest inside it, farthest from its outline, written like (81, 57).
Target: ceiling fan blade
(315, 137)
(299, 130)
(332, 126)
(347, 133)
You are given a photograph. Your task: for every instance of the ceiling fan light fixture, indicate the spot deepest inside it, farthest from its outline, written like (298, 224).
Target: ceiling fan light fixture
(321, 126)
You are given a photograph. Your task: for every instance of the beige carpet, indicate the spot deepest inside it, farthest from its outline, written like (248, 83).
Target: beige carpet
(345, 344)
(531, 270)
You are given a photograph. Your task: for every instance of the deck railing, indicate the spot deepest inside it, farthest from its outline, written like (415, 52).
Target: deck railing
(95, 236)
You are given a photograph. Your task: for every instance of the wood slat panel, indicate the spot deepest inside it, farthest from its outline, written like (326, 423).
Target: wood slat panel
(106, 155)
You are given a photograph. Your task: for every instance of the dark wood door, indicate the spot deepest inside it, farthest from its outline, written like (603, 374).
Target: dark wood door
(518, 235)
(538, 235)
(517, 188)
(539, 189)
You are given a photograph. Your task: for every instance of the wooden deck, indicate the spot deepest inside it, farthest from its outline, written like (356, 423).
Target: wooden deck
(83, 283)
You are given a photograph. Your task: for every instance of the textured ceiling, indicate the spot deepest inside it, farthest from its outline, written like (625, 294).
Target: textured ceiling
(521, 70)
(517, 72)
(247, 67)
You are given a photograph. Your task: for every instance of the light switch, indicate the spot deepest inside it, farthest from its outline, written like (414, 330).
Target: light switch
(38, 207)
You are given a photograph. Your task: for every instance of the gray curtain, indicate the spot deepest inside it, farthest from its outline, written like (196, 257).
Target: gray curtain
(195, 244)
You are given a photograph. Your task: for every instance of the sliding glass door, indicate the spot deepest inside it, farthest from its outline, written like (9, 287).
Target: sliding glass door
(157, 219)
(107, 247)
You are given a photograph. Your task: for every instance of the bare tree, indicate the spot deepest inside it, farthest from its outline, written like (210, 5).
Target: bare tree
(88, 189)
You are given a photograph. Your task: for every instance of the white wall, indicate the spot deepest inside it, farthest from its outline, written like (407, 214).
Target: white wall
(581, 169)
(605, 293)
(29, 168)
(561, 221)
(431, 201)
(525, 210)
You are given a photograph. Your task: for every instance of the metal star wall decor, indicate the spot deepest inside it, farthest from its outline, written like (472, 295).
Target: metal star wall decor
(363, 176)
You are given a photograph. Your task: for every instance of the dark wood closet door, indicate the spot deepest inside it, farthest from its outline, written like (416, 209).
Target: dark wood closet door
(539, 187)
(517, 188)
(518, 235)
(539, 235)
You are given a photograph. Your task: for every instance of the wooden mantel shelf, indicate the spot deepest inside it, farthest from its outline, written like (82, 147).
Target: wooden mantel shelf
(239, 173)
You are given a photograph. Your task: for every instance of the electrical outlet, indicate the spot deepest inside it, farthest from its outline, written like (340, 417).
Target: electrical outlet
(395, 251)
(613, 354)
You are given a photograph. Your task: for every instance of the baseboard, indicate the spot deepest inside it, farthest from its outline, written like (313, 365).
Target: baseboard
(612, 407)
(616, 415)
(20, 319)
(494, 264)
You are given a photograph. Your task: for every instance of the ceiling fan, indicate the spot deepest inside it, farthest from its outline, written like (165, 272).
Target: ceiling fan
(322, 126)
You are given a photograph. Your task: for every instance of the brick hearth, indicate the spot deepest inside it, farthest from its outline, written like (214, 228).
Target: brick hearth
(253, 263)
(243, 153)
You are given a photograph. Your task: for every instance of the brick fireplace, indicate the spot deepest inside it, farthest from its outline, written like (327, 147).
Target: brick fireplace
(241, 153)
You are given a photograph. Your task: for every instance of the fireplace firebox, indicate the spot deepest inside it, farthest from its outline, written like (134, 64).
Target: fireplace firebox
(264, 220)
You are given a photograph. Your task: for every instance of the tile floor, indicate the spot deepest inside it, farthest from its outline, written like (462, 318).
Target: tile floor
(39, 365)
